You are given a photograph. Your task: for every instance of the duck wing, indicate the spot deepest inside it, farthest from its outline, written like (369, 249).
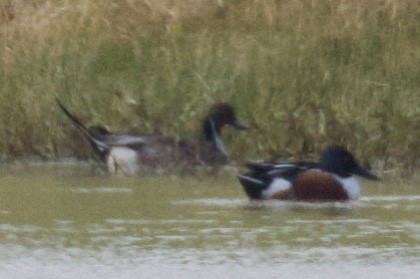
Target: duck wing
(279, 169)
(125, 140)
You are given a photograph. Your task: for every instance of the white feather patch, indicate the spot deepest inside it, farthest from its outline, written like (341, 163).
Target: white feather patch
(351, 185)
(122, 160)
(251, 179)
(278, 185)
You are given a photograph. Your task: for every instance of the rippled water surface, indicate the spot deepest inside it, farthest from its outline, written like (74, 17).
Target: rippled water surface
(64, 222)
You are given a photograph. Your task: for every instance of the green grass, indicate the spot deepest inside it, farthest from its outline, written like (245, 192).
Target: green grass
(301, 73)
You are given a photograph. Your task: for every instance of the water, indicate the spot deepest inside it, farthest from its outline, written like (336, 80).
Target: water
(65, 222)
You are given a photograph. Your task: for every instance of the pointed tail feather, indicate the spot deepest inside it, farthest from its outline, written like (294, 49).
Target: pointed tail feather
(74, 119)
(101, 145)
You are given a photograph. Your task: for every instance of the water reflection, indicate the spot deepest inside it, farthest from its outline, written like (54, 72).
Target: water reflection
(103, 228)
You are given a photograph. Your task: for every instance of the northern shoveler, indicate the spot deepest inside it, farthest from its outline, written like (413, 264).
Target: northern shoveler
(330, 179)
(132, 154)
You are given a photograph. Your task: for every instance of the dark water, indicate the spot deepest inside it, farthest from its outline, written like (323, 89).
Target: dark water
(65, 222)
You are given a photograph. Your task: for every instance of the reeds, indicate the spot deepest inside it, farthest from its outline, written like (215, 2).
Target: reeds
(302, 73)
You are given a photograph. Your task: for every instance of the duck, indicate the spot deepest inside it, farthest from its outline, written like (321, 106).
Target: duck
(331, 179)
(132, 154)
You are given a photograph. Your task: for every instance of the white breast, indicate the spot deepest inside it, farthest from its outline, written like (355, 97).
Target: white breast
(351, 185)
(122, 160)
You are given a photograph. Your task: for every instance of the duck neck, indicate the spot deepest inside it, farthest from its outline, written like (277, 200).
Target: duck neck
(211, 133)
